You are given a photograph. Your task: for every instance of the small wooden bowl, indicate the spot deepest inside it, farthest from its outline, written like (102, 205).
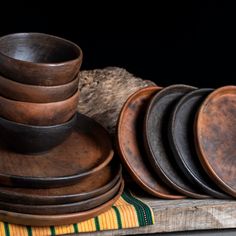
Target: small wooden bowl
(34, 139)
(39, 59)
(53, 113)
(39, 94)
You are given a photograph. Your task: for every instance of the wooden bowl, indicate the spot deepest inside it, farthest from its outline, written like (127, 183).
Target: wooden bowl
(40, 94)
(39, 59)
(34, 139)
(39, 113)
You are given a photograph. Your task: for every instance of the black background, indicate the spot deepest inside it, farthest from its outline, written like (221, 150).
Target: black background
(188, 42)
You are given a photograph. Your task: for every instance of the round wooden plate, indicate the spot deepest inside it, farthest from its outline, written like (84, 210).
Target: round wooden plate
(47, 220)
(130, 145)
(86, 151)
(215, 133)
(63, 208)
(156, 139)
(181, 139)
(88, 187)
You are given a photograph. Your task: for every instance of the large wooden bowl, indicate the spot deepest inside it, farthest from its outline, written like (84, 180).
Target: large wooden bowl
(40, 94)
(39, 59)
(39, 113)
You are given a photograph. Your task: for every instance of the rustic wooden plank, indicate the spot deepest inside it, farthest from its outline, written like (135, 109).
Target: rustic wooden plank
(184, 215)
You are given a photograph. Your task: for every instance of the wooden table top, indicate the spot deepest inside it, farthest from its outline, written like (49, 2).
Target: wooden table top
(183, 215)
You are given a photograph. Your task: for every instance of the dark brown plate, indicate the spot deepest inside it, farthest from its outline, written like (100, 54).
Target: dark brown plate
(86, 151)
(91, 186)
(62, 208)
(58, 219)
(181, 139)
(130, 146)
(156, 140)
(215, 134)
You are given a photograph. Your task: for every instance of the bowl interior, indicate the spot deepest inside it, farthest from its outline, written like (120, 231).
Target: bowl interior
(38, 48)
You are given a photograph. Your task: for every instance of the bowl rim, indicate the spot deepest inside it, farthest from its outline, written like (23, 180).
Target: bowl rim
(42, 127)
(78, 58)
(74, 95)
(34, 86)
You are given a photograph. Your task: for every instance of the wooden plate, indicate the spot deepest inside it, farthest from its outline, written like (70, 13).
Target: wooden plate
(181, 139)
(216, 137)
(88, 187)
(130, 146)
(62, 208)
(86, 151)
(156, 140)
(47, 220)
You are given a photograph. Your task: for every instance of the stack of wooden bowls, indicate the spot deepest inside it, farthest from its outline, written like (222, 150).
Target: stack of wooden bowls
(179, 141)
(38, 90)
(55, 164)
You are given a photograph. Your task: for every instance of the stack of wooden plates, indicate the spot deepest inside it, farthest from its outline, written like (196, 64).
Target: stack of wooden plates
(179, 141)
(73, 182)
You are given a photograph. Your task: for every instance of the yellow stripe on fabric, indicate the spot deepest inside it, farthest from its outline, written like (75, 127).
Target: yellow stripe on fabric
(16, 230)
(120, 201)
(127, 218)
(108, 220)
(87, 226)
(66, 229)
(2, 229)
(92, 225)
(127, 209)
(41, 231)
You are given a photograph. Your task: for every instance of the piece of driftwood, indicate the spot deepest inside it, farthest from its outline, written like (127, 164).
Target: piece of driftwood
(104, 91)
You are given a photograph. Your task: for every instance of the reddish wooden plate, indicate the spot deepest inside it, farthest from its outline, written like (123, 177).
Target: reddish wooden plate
(86, 151)
(62, 208)
(215, 133)
(88, 187)
(157, 143)
(47, 220)
(130, 145)
(181, 139)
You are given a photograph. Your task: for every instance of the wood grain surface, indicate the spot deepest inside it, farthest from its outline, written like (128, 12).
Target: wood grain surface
(183, 215)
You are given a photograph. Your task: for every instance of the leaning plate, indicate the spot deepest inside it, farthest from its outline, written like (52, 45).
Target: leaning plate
(181, 139)
(130, 144)
(86, 151)
(157, 143)
(216, 137)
